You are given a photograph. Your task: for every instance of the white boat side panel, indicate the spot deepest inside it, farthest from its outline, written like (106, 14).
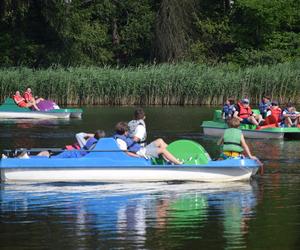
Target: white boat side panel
(121, 175)
(246, 133)
(75, 114)
(34, 115)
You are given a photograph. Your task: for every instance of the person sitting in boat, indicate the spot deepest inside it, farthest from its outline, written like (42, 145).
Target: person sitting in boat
(264, 105)
(245, 115)
(29, 97)
(90, 142)
(137, 127)
(273, 114)
(132, 148)
(233, 141)
(228, 109)
(20, 101)
(290, 116)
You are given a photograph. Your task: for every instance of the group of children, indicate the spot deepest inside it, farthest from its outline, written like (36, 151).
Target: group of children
(130, 137)
(270, 113)
(27, 100)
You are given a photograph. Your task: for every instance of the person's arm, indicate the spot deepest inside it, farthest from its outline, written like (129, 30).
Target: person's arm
(139, 133)
(236, 115)
(81, 138)
(123, 146)
(220, 141)
(246, 148)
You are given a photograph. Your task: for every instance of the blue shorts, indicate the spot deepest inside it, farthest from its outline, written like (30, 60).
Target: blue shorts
(245, 121)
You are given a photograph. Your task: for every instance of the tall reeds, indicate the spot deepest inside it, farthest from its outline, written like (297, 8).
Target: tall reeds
(156, 84)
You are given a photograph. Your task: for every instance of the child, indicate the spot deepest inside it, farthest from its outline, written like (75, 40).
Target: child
(264, 106)
(290, 117)
(228, 109)
(233, 141)
(133, 148)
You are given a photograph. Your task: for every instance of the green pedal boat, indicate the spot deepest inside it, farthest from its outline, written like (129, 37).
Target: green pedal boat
(10, 110)
(217, 126)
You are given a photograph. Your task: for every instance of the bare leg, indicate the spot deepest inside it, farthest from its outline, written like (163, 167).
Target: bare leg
(259, 118)
(44, 153)
(288, 121)
(39, 99)
(166, 154)
(160, 143)
(30, 104)
(162, 149)
(253, 120)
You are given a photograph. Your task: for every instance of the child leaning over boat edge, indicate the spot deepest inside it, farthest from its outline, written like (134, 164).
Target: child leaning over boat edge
(233, 141)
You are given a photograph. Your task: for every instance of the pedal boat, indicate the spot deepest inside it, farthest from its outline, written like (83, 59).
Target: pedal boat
(10, 110)
(107, 163)
(217, 127)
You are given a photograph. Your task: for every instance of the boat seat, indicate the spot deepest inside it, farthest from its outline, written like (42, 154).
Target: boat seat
(9, 101)
(108, 148)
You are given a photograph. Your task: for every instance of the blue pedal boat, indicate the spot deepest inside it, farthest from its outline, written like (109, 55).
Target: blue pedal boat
(107, 163)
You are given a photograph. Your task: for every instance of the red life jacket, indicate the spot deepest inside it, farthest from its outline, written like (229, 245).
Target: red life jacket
(19, 100)
(276, 112)
(73, 146)
(28, 96)
(244, 112)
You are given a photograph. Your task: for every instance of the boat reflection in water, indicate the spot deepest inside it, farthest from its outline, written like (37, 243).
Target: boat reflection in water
(151, 215)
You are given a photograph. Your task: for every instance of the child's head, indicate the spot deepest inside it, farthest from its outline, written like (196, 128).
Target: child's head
(274, 103)
(230, 101)
(99, 134)
(290, 107)
(139, 114)
(233, 122)
(121, 128)
(266, 98)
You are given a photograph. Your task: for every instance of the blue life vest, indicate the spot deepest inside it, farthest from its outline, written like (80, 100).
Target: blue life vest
(228, 110)
(263, 107)
(132, 146)
(90, 142)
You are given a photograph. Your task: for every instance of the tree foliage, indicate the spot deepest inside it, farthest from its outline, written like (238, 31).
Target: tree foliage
(39, 33)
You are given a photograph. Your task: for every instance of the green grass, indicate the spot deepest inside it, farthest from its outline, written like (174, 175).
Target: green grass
(156, 84)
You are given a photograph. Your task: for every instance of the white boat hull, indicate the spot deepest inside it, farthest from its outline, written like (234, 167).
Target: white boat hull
(248, 134)
(207, 174)
(75, 114)
(34, 115)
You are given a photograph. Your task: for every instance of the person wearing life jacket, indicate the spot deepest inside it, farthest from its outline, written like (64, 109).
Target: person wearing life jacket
(29, 97)
(134, 149)
(228, 109)
(20, 101)
(290, 116)
(245, 115)
(275, 112)
(84, 150)
(137, 127)
(233, 141)
(264, 105)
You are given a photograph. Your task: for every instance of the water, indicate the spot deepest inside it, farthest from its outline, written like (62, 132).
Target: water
(261, 214)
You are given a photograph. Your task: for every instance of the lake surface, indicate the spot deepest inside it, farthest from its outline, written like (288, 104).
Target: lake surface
(262, 214)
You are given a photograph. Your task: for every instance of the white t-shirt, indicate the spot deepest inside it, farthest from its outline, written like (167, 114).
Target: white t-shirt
(140, 132)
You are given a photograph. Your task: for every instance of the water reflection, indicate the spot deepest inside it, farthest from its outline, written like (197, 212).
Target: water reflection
(133, 214)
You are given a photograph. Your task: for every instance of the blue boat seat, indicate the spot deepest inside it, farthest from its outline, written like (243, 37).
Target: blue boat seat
(108, 148)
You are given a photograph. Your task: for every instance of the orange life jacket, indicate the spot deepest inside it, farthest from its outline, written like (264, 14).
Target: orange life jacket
(28, 96)
(276, 112)
(19, 100)
(244, 112)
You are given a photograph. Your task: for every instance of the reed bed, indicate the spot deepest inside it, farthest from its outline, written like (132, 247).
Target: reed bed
(165, 84)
